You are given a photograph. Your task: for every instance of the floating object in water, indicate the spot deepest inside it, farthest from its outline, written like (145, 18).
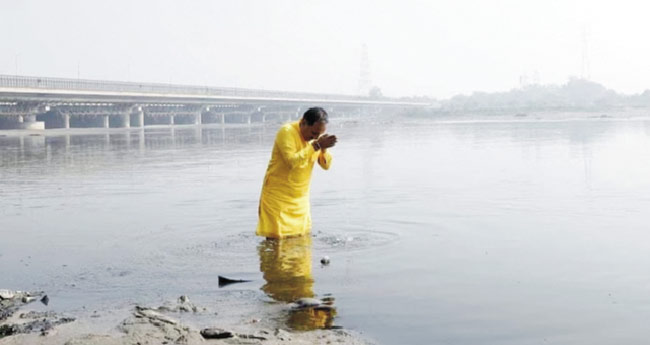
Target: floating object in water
(307, 302)
(223, 281)
(325, 260)
(45, 300)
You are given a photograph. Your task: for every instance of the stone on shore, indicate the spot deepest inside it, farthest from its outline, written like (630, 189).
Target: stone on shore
(7, 294)
(153, 316)
(216, 333)
(148, 326)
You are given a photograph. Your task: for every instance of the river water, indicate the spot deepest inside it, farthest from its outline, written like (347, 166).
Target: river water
(483, 231)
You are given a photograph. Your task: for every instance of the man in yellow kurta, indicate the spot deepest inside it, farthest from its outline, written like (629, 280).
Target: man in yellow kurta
(284, 205)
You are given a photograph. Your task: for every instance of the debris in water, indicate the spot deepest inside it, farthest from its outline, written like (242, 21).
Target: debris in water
(223, 281)
(308, 302)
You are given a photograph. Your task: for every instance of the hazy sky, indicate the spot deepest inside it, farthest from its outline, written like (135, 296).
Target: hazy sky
(432, 48)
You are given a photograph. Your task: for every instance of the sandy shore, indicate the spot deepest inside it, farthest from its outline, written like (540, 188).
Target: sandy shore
(175, 322)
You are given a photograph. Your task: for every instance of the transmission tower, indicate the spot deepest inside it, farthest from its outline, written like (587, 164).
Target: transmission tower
(364, 75)
(585, 69)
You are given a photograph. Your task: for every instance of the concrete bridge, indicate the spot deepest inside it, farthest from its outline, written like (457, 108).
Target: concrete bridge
(42, 103)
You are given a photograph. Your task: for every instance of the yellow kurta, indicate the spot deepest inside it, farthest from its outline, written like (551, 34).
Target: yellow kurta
(284, 204)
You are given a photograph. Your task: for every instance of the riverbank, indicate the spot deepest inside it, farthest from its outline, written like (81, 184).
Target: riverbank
(174, 322)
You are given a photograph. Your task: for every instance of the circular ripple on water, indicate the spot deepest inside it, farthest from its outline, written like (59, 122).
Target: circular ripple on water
(351, 240)
(239, 247)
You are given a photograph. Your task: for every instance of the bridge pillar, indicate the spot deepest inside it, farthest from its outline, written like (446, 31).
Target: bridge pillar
(137, 119)
(249, 119)
(171, 119)
(65, 118)
(223, 119)
(197, 118)
(105, 121)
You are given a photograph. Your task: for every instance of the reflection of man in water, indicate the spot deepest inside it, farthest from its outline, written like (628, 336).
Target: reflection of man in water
(286, 267)
(284, 204)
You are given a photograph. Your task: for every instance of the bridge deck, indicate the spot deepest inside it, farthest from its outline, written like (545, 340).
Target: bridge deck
(22, 88)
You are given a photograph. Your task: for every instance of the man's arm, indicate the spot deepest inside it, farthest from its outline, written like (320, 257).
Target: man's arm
(290, 153)
(325, 159)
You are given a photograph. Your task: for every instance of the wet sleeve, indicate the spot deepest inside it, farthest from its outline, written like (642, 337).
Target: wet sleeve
(325, 159)
(292, 154)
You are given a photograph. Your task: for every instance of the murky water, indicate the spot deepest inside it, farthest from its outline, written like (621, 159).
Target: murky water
(465, 232)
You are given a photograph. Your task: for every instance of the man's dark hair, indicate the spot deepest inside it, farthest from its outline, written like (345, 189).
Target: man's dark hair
(315, 114)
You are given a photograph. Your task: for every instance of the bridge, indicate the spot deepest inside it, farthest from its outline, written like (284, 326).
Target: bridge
(43, 103)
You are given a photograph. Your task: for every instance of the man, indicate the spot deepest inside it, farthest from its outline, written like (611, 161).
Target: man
(284, 205)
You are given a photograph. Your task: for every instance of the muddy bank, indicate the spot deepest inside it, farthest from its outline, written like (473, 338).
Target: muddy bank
(13, 323)
(174, 322)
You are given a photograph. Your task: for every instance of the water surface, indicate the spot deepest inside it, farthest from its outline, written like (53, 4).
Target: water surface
(522, 231)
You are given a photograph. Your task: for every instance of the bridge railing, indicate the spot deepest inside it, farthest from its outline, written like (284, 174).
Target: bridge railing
(24, 82)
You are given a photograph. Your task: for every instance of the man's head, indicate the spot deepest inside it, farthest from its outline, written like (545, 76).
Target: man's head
(313, 123)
